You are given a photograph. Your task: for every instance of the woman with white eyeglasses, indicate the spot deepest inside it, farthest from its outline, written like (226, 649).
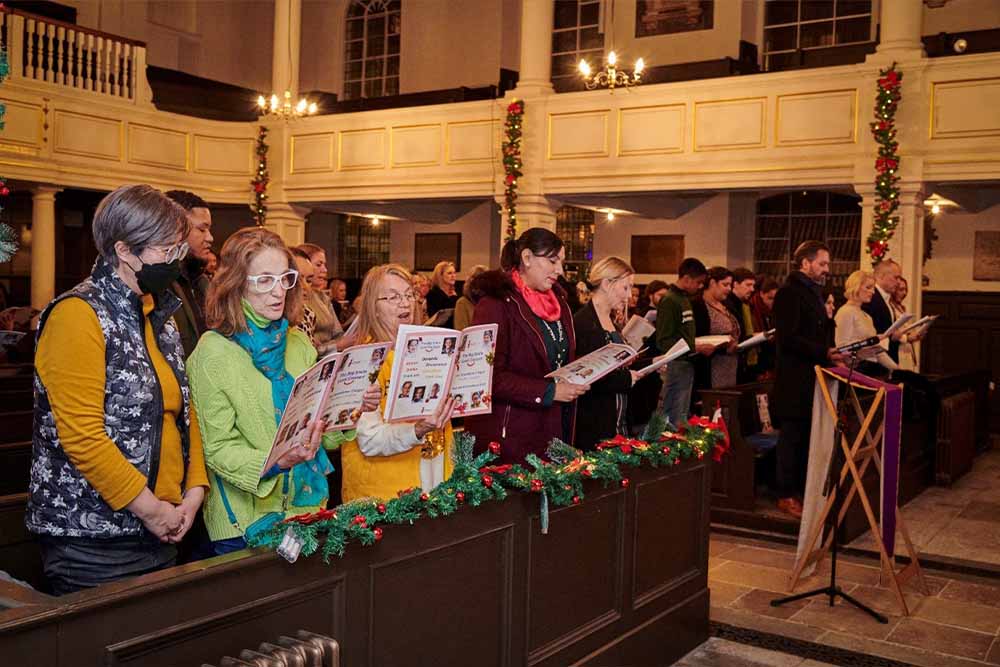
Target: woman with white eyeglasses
(117, 472)
(242, 372)
(387, 458)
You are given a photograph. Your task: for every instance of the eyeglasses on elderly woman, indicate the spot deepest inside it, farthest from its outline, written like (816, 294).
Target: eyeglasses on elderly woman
(266, 281)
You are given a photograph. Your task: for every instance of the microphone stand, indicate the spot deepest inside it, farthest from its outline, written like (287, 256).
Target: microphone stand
(833, 485)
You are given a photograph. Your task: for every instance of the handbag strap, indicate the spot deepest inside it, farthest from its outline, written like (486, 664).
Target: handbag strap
(229, 508)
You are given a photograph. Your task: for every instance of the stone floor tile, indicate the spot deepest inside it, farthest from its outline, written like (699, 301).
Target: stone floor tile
(755, 576)
(967, 591)
(758, 601)
(747, 619)
(723, 594)
(884, 599)
(761, 556)
(722, 653)
(900, 652)
(843, 617)
(718, 547)
(993, 657)
(981, 511)
(960, 614)
(941, 639)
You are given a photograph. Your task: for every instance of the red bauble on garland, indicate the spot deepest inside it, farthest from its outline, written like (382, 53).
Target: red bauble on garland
(883, 128)
(261, 179)
(512, 164)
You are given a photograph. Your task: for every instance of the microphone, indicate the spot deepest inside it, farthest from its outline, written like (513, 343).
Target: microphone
(858, 345)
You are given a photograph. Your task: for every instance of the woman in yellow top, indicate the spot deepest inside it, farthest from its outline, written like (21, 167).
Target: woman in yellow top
(387, 458)
(117, 472)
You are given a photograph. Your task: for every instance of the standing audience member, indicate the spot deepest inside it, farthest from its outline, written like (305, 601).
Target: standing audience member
(887, 274)
(804, 340)
(117, 472)
(602, 412)
(722, 322)
(242, 373)
(829, 303)
(388, 458)
(655, 290)
(212, 266)
(633, 299)
(854, 324)
(907, 352)
(466, 304)
(442, 293)
(674, 321)
(421, 288)
(744, 285)
(535, 337)
(341, 306)
(760, 359)
(192, 284)
(307, 323)
(327, 329)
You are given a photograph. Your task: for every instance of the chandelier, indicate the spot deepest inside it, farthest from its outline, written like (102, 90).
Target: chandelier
(611, 77)
(284, 109)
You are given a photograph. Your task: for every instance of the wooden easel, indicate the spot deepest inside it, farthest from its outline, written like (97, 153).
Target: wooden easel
(857, 458)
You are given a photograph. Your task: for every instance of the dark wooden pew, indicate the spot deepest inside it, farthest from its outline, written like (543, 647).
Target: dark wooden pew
(15, 467)
(620, 579)
(15, 426)
(16, 400)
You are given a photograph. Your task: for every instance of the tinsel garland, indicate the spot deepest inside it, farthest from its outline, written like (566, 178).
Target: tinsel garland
(259, 184)
(512, 163)
(883, 128)
(477, 479)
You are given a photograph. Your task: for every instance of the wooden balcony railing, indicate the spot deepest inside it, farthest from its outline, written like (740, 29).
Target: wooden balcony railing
(49, 51)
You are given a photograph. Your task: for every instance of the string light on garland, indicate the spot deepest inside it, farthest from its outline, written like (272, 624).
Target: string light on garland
(512, 164)
(476, 479)
(883, 128)
(261, 179)
(8, 237)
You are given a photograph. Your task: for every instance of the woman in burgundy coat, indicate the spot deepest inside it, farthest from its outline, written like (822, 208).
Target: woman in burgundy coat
(535, 337)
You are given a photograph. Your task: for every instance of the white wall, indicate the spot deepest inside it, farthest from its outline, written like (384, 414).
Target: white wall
(717, 232)
(223, 41)
(950, 268)
(480, 230)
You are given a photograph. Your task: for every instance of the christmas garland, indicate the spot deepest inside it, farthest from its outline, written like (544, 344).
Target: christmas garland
(262, 178)
(887, 97)
(8, 237)
(476, 479)
(512, 163)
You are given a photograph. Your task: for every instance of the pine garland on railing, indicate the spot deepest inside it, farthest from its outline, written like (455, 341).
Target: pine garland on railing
(476, 479)
(512, 163)
(883, 128)
(8, 237)
(261, 178)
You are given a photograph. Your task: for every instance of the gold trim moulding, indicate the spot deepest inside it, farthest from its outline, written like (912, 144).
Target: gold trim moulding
(730, 147)
(18, 149)
(41, 123)
(650, 151)
(493, 125)
(154, 163)
(853, 139)
(409, 165)
(312, 170)
(223, 172)
(576, 156)
(97, 156)
(958, 134)
(364, 167)
(709, 172)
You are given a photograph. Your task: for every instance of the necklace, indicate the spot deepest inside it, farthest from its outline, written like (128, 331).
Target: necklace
(556, 334)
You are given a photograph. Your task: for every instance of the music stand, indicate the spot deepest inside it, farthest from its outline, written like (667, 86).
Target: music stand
(853, 460)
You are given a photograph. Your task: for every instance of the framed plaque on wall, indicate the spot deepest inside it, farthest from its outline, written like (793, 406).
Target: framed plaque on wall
(429, 249)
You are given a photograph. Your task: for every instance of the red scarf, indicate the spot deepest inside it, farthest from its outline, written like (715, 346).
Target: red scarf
(543, 304)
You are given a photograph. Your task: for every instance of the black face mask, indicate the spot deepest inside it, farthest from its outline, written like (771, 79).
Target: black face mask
(156, 278)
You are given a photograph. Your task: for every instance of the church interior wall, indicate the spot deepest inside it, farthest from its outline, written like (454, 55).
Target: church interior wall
(951, 266)
(479, 227)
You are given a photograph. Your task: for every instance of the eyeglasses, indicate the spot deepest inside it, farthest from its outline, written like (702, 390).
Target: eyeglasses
(265, 282)
(398, 299)
(173, 253)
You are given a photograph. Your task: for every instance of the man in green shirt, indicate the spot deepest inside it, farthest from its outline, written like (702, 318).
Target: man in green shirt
(674, 321)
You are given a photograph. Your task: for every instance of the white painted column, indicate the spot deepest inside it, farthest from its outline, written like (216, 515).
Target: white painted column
(535, 73)
(287, 221)
(285, 52)
(899, 29)
(907, 244)
(43, 245)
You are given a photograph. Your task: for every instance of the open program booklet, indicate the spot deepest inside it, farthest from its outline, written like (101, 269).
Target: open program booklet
(432, 363)
(679, 349)
(332, 390)
(592, 367)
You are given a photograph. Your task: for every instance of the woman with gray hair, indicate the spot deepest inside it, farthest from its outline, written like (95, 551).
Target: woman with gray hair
(117, 471)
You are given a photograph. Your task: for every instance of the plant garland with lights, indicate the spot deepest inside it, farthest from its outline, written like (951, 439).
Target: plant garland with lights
(8, 237)
(476, 479)
(512, 163)
(883, 128)
(261, 179)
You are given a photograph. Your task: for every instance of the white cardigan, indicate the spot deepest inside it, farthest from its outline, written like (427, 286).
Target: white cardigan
(854, 324)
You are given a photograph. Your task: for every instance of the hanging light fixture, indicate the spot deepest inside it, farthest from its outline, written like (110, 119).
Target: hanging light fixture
(611, 76)
(282, 107)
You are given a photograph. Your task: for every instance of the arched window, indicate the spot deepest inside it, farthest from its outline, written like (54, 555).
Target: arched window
(371, 60)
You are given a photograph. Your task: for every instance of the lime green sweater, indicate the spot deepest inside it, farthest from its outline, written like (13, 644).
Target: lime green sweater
(236, 416)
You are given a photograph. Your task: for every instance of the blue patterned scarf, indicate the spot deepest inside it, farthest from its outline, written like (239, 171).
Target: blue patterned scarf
(265, 342)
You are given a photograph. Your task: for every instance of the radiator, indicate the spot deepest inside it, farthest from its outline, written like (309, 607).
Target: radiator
(956, 437)
(305, 649)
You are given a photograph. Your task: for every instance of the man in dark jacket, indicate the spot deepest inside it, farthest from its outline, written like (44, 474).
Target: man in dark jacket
(192, 285)
(804, 340)
(887, 275)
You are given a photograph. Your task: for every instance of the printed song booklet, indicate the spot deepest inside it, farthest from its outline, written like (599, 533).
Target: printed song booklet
(756, 339)
(332, 389)
(679, 349)
(592, 367)
(432, 363)
(636, 330)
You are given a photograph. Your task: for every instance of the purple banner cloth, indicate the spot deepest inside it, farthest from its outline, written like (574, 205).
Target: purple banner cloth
(890, 450)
